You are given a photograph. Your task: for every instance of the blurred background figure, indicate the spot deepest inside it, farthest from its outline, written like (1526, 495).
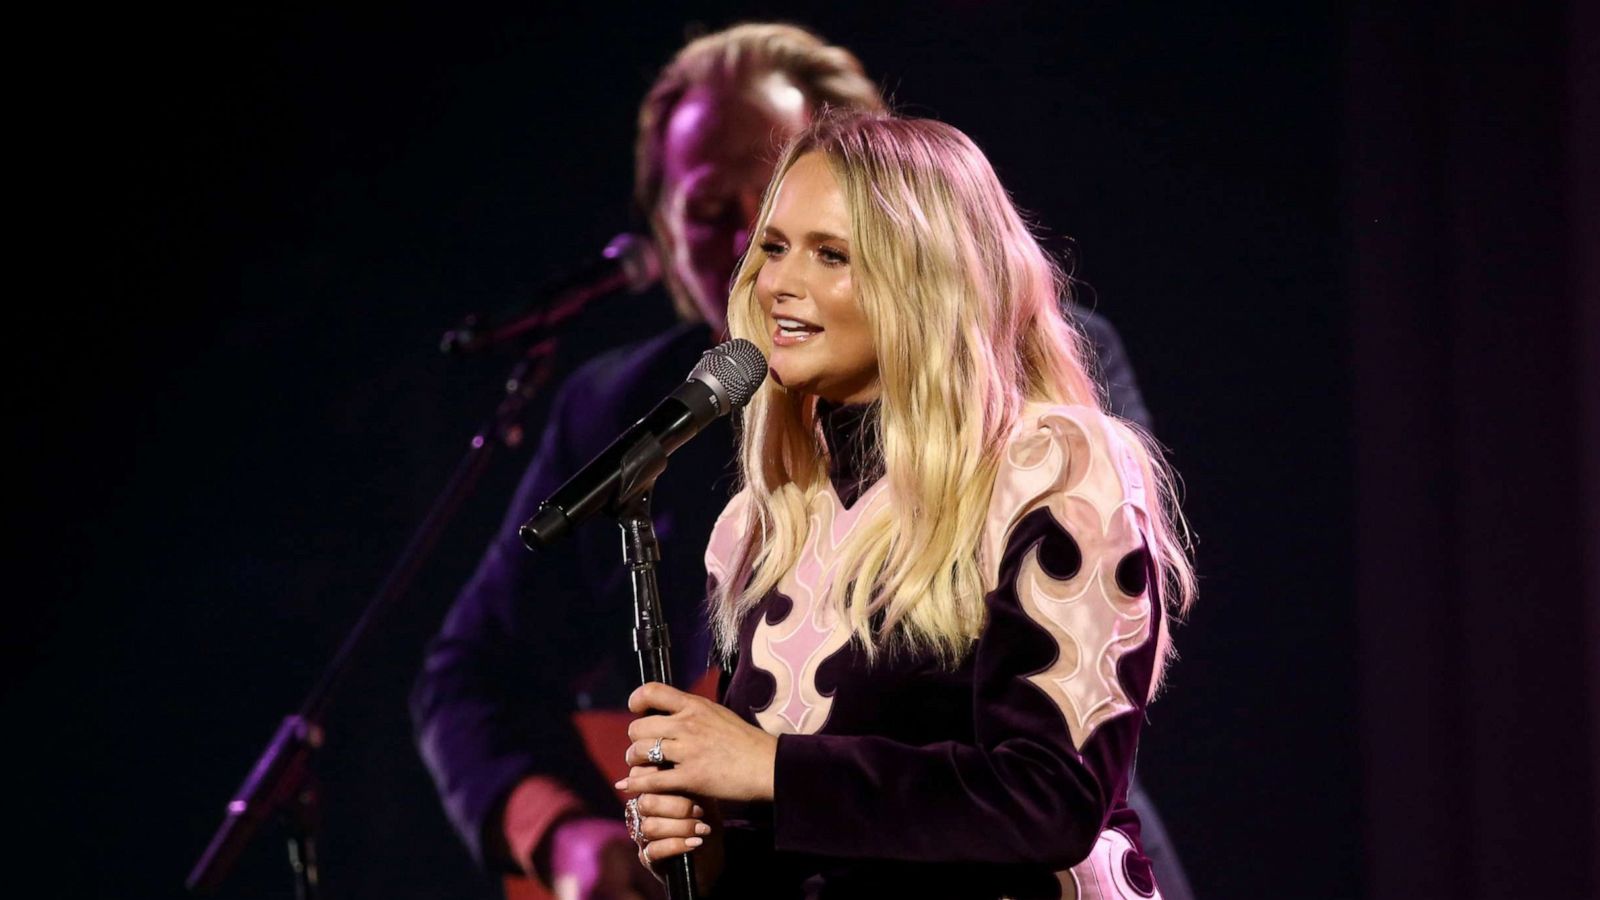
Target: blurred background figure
(518, 709)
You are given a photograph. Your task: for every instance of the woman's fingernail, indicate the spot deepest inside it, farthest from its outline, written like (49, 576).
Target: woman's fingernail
(697, 812)
(694, 842)
(702, 828)
(621, 785)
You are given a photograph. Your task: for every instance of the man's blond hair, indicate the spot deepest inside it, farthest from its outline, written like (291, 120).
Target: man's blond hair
(828, 76)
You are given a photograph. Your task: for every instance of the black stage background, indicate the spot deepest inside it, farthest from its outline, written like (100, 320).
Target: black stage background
(240, 414)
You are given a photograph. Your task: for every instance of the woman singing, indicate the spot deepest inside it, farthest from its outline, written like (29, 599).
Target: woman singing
(941, 594)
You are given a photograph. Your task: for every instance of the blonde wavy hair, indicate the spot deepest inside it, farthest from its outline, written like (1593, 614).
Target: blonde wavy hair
(965, 312)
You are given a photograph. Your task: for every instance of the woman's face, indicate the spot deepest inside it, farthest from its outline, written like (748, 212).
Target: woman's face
(822, 343)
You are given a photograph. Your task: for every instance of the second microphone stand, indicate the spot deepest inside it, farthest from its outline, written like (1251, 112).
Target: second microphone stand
(282, 784)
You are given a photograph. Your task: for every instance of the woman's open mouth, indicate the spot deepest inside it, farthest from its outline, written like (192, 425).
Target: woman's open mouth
(792, 331)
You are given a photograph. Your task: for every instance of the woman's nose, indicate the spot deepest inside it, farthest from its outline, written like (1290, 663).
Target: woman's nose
(782, 278)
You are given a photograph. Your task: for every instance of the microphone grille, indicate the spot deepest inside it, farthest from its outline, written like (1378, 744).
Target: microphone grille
(737, 365)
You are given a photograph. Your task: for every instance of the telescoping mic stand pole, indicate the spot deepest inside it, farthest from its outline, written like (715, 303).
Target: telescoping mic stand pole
(638, 470)
(651, 641)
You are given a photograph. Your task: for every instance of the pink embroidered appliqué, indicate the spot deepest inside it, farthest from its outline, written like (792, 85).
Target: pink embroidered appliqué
(726, 537)
(1093, 488)
(1104, 875)
(793, 649)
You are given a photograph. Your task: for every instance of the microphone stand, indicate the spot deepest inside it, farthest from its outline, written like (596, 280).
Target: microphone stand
(640, 468)
(651, 641)
(282, 783)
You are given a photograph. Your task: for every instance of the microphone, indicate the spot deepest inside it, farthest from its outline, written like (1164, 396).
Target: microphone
(628, 263)
(724, 380)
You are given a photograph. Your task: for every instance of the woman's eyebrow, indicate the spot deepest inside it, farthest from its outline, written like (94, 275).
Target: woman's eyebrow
(818, 237)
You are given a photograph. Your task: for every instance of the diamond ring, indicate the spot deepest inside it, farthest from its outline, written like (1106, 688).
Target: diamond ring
(631, 816)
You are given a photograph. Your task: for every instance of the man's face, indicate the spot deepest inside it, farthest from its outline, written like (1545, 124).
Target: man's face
(720, 147)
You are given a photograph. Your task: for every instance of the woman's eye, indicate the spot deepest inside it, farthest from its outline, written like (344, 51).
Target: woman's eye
(771, 248)
(833, 257)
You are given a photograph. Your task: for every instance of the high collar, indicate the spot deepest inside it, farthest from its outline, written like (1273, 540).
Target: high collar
(855, 462)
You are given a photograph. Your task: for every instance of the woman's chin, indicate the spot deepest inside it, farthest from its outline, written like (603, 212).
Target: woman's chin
(786, 373)
(797, 383)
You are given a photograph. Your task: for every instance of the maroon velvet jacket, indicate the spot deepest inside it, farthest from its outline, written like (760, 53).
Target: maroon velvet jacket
(1003, 777)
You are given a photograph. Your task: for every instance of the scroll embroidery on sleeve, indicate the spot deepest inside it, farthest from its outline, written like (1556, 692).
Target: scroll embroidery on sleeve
(1094, 493)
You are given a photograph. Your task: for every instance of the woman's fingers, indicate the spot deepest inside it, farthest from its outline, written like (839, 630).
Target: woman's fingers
(638, 752)
(647, 728)
(657, 851)
(651, 780)
(670, 825)
(669, 806)
(657, 828)
(659, 697)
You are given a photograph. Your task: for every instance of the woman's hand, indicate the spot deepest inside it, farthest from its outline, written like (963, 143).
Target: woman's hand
(713, 752)
(670, 826)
